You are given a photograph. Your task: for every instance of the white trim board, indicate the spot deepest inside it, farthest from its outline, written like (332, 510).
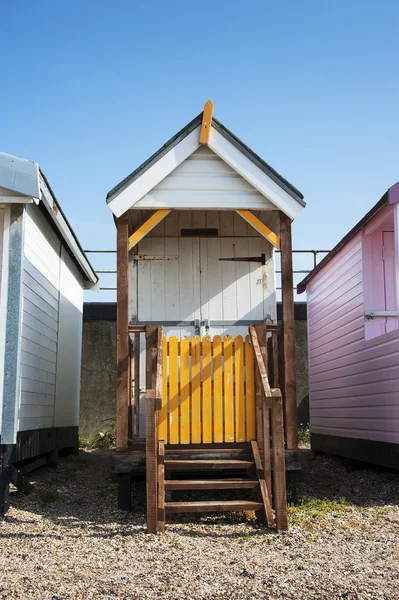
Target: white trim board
(137, 193)
(130, 195)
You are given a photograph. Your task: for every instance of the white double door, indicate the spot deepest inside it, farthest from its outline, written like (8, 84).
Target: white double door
(183, 284)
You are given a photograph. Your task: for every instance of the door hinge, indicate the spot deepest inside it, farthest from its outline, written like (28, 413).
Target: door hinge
(260, 259)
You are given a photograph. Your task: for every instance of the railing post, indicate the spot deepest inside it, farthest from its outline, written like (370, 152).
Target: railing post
(151, 428)
(279, 482)
(289, 382)
(161, 486)
(122, 344)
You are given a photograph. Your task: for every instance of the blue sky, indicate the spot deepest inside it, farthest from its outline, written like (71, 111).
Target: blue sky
(91, 89)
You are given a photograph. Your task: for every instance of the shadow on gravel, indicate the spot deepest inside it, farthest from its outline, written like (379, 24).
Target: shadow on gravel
(82, 495)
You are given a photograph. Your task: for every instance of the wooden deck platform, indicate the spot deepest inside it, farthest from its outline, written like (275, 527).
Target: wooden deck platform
(133, 461)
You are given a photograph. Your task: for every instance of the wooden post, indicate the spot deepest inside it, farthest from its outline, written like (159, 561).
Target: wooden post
(161, 486)
(151, 429)
(136, 388)
(265, 414)
(287, 284)
(279, 483)
(122, 343)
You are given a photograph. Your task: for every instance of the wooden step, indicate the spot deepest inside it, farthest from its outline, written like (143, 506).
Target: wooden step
(203, 465)
(212, 506)
(210, 484)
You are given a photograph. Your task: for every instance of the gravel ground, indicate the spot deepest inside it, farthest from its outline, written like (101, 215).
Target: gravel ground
(67, 540)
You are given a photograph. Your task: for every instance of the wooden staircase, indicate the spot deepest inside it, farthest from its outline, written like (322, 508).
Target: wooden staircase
(267, 482)
(245, 462)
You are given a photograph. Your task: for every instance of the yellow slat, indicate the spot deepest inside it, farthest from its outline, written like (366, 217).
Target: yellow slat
(163, 413)
(239, 389)
(195, 391)
(184, 391)
(250, 391)
(217, 389)
(206, 391)
(174, 391)
(228, 390)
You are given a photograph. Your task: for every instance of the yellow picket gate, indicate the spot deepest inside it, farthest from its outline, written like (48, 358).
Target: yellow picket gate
(208, 393)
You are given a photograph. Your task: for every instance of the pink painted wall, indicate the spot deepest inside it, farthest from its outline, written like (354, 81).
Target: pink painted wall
(353, 381)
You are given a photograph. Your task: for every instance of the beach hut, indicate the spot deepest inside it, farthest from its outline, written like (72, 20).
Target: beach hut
(197, 228)
(354, 340)
(43, 272)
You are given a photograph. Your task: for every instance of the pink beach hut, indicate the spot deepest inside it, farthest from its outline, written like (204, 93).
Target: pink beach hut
(354, 340)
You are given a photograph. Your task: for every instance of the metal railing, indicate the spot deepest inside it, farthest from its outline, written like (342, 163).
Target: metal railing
(304, 272)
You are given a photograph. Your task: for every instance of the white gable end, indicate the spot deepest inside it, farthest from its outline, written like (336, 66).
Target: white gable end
(185, 175)
(204, 180)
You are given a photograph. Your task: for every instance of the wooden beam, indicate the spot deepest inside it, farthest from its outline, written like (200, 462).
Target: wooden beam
(279, 480)
(288, 384)
(259, 361)
(146, 227)
(260, 227)
(151, 429)
(122, 343)
(161, 486)
(265, 413)
(262, 484)
(206, 123)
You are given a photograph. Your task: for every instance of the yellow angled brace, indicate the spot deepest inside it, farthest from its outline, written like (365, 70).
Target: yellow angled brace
(260, 227)
(206, 123)
(146, 227)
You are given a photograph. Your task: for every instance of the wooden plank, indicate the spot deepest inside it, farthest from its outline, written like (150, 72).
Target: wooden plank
(259, 362)
(217, 389)
(212, 506)
(174, 390)
(136, 387)
(266, 499)
(122, 343)
(228, 390)
(161, 486)
(206, 391)
(163, 413)
(289, 386)
(211, 484)
(267, 459)
(184, 391)
(203, 464)
(159, 372)
(239, 389)
(151, 430)
(206, 122)
(279, 482)
(250, 391)
(195, 390)
(146, 227)
(260, 227)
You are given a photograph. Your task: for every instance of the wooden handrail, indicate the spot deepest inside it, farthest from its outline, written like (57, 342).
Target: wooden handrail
(260, 363)
(272, 399)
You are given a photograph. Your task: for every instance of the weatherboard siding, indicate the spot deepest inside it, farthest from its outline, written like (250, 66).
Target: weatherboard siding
(204, 180)
(353, 383)
(39, 332)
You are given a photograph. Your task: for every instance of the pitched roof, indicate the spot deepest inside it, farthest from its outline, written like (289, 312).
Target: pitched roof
(390, 197)
(226, 133)
(24, 177)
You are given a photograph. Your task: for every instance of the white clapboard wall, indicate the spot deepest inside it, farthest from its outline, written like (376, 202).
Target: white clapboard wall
(203, 181)
(52, 300)
(191, 283)
(39, 332)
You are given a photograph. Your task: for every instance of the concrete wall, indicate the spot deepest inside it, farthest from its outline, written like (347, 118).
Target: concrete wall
(98, 381)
